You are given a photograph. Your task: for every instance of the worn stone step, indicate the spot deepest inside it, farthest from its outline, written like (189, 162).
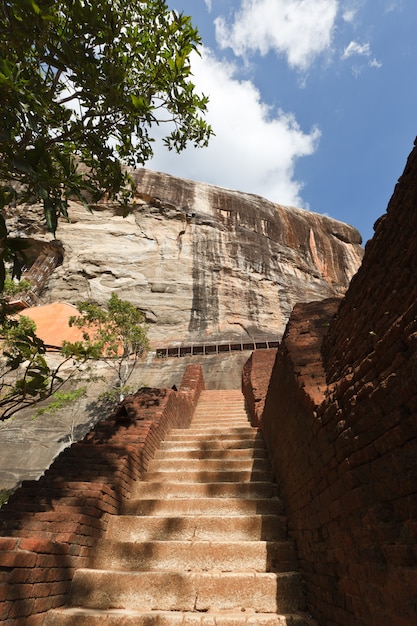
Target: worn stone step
(221, 425)
(239, 453)
(214, 444)
(203, 506)
(249, 527)
(224, 407)
(162, 490)
(210, 465)
(229, 411)
(183, 591)
(201, 476)
(124, 617)
(194, 556)
(214, 431)
(250, 434)
(234, 420)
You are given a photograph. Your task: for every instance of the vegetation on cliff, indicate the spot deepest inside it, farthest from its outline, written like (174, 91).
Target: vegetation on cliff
(115, 334)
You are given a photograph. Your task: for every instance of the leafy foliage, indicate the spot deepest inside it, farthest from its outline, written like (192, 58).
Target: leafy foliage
(116, 335)
(82, 85)
(26, 378)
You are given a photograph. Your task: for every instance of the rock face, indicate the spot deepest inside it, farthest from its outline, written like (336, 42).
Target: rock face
(204, 263)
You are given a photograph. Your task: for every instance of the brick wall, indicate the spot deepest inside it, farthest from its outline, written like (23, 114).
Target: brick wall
(340, 420)
(256, 375)
(49, 526)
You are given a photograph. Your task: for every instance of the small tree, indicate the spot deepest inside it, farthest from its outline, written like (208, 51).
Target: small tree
(26, 378)
(116, 335)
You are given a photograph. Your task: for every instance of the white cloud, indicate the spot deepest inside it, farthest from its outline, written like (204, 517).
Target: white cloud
(355, 48)
(375, 63)
(298, 29)
(208, 5)
(255, 149)
(349, 15)
(394, 5)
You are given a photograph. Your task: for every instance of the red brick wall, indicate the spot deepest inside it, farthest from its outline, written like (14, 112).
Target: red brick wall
(49, 526)
(255, 380)
(340, 420)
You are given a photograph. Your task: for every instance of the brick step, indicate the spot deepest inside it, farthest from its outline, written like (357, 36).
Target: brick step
(239, 453)
(154, 490)
(182, 591)
(194, 556)
(203, 506)
(198, 527)
(207, 476)
(123, 617)
(211, 465)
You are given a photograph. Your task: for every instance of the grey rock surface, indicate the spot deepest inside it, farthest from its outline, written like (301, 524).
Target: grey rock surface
(205, 264)
(29, 445)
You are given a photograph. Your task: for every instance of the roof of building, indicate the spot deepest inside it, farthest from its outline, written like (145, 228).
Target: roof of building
(52, 323)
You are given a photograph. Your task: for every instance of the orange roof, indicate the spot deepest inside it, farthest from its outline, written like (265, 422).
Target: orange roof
(52, 323)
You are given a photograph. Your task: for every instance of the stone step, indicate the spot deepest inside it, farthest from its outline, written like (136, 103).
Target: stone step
(188, 506)
(214, 431)
(194, 556)
(244, 432)
(198, 527)
(199, 439)
(125, 617)
(222, 424)
(180, 475)
(214, 444)
(211, 465)
(182, 591)
(162, 490)
(223, 412)
(239, 453)
(203, 540)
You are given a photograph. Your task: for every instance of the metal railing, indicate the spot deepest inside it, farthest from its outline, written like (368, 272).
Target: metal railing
(204, 349)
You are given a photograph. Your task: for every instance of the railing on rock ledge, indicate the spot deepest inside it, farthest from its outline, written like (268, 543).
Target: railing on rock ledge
(205, 349)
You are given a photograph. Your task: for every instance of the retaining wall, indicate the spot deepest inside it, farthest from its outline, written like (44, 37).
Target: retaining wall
(48, 527)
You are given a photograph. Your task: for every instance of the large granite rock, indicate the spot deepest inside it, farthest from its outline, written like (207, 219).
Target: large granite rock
(204, 263)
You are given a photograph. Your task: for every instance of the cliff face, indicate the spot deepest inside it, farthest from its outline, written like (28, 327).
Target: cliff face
(204, 263)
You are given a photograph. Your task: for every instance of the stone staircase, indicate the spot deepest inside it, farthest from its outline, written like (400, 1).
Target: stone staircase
(202, 542)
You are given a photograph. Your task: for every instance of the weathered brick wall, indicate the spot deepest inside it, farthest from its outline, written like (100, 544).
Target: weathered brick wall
(49, 526)
(340, 420)
(256, 375)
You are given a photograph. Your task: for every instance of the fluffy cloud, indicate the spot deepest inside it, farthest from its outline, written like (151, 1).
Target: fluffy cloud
(298, 29)
(255, 148)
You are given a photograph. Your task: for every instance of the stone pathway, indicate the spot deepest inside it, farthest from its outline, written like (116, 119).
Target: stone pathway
(202, 542)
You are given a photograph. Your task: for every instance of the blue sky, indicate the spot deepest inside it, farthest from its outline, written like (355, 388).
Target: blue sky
(313, 102)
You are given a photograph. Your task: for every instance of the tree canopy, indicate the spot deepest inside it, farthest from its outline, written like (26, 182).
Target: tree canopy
(83, 83)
